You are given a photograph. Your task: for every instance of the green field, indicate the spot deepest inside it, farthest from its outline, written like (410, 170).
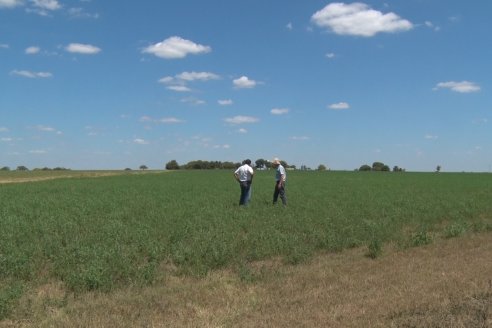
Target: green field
(110, 232)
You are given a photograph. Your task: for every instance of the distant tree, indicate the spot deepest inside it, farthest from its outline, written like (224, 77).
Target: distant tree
(229, 165)
(385, 168)
(377, 166)
(22, 168)
(128, 169)
(321, 167)
(143, 167)
(260, 163)
(438, 168)
(5, 168)
(364, 168)
(284, 164)
(172, 165)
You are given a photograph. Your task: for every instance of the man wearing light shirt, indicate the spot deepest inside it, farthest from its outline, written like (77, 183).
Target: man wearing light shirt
(244, 175)
(280, 177)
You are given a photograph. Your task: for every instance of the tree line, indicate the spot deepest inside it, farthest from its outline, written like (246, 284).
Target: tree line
(379, 167)
(260, 164)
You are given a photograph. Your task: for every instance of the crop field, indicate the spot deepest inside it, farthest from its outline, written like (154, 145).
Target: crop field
(112, 232)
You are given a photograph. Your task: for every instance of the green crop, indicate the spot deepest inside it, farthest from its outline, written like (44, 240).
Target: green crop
(109, 232)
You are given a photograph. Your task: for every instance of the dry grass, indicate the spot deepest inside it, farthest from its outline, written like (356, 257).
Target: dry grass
(446, 284)
(34, 176)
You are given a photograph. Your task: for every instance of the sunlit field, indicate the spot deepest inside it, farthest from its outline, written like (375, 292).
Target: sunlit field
(112, 232)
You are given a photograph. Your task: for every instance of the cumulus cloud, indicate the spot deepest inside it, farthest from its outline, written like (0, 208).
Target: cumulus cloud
(301, 138)
(179, 88)
(200, 76)
(242, 130)
(244, 83)
(31, 75)
(358, 19)
(165, 120)
(178, 82)
(32, 50)
(38, 152)
(225, 102)
(84, 49)
(176, 47)
(339, 106)
(279, 111)
(81, 13)
(241, 119)
(139, 141)
(461, 87)
(10, 3)
(46, 4)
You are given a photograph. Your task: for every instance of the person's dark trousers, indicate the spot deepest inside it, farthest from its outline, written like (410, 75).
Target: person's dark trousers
(279, 191)
(245, 185)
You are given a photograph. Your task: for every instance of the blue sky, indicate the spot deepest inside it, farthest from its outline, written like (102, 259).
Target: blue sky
(92, 84)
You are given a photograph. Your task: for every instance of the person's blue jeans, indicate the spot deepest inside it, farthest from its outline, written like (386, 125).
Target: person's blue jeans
(245, 192)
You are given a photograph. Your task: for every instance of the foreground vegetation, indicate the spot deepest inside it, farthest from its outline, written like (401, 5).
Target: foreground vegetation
(111, 232)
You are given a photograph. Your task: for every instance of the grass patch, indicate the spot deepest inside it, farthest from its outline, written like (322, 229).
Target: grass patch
(113, 232)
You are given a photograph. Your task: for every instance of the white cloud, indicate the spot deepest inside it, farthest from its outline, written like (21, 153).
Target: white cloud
(6, 139)
(339, 106)
(176, 47)
(179, 88)
(170, 120)
(430, 137)
(330, 55)
(432, 26)
(477, 121)
(226, 146)
(3, 45)
(200, 76)
(31, 75)
(3, 129)
(242, 130)
(289, 26)
(139, 141)
(167, 80)
(10, 3)
(38, 152)
(279, 111)
(461, 87)
(225, 102)
(81, 13)
(244, 83)
(358, 19)
(46, 4)
(32, 50)
(302, 138)
(84, 49)
(193, 101)
(165, 120)
(241, 119)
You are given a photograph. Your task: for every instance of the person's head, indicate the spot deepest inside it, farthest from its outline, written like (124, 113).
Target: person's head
(247, 161)
(276, 162)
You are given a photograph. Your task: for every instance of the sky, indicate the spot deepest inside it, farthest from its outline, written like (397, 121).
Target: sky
(93, 84)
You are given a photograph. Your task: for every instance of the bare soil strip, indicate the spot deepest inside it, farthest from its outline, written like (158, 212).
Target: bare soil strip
(446, 284)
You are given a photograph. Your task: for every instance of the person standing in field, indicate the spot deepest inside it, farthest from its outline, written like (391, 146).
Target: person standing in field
(280, 177)
(244, 175)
